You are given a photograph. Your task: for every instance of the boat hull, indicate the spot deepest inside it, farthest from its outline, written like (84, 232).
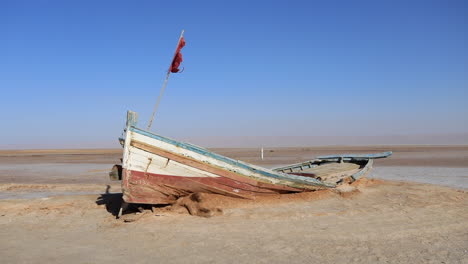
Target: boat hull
(150, 188)
(159, 170)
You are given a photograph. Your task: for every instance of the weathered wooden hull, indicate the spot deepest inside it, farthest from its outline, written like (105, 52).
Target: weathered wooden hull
(149, 188)
(159, 170)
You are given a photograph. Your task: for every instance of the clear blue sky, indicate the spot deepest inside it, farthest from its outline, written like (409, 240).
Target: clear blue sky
(69, 70)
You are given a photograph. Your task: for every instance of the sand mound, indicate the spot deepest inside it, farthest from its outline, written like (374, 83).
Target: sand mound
(208, 205)
(200, 204)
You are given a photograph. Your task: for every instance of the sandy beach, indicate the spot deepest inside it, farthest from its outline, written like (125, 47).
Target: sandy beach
(58, 206)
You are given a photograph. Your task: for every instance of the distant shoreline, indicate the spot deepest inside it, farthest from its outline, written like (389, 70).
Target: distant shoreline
(403, 155)
(112, 150)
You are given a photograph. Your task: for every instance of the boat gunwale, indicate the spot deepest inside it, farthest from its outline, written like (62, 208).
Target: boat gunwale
(318, 162)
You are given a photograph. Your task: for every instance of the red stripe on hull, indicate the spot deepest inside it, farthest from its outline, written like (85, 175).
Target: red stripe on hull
(149, 188)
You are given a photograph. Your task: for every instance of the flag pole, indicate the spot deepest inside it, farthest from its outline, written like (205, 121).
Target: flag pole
(164, 85)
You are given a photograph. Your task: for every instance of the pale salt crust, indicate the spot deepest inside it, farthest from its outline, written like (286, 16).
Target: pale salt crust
(451, 177)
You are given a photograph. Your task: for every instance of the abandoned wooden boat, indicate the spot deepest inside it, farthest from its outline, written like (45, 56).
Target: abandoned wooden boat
(159, 170)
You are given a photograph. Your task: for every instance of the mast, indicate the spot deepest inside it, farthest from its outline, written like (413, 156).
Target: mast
(164, 84)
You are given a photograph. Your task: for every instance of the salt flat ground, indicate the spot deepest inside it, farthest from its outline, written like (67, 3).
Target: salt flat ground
(53, 209)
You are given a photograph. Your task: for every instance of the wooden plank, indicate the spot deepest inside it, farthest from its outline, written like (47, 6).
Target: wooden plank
(358, 156)
(139, 160)
(132, 118)
(206, 167)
